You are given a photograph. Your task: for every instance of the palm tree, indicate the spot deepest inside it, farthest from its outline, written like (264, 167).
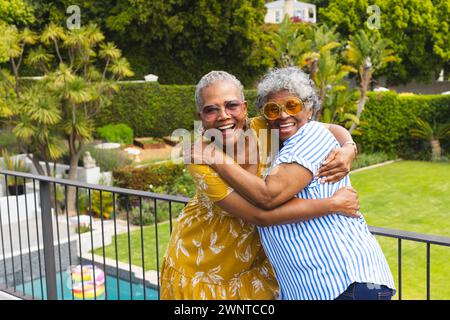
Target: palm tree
(432, 134)
(368, 54)
(329, 73)
(37, 127)
(7, 96)
(51, 35)
(320, 41)
(64, 104)
(286, 44)
(340, 107)
(109, 52)
(12, 49)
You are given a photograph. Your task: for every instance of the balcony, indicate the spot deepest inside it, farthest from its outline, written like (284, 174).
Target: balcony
(44, 254)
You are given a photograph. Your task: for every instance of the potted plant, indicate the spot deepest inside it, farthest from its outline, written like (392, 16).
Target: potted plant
(16, 186)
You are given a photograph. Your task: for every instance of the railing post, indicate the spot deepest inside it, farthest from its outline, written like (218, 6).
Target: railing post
(47, 234)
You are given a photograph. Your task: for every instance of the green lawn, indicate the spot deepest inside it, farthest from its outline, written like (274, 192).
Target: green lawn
(406, 195)
(149, 241)
(412, 196)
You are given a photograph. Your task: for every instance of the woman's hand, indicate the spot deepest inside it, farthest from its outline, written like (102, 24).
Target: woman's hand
(199, 152)
(345, 202)
(203, 152)
(337, 165)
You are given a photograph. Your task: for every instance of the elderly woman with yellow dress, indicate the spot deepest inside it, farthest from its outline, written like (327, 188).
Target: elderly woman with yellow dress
(215, 251)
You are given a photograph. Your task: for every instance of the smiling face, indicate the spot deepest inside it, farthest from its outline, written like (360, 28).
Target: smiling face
(286, 124)
(228, 120)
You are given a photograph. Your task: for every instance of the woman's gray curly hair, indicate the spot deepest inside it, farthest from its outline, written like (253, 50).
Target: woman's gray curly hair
(212, 77)
(292, 79)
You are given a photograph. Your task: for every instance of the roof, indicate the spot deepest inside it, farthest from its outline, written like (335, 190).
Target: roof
(280, 5)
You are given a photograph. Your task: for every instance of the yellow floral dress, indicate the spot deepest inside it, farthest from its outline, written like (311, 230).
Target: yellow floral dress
(212, 254)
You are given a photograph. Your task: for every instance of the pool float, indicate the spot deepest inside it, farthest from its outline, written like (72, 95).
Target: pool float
(84, 282)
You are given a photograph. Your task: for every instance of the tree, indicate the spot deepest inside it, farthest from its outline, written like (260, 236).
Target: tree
(313, 49)
(328, 73)
(340, 107)
(417, 29)
(73, 90)
(442, 35)
(287, 44)
(37, 124)
(433, 134)
(16, 11)
(368, 54)
(178, 40)
(329, 78)
(320, 41)
(7, 95)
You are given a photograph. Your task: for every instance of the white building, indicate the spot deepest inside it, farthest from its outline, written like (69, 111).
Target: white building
(294, 9)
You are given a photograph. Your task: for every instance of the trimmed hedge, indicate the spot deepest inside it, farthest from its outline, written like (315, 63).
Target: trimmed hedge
(151, 109)
(157, 110)
(148, 177)
(388, 117)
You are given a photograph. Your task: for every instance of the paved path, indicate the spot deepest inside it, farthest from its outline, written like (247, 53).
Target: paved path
(5, 296)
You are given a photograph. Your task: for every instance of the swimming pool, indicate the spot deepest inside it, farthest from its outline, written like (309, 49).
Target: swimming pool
(112, 291)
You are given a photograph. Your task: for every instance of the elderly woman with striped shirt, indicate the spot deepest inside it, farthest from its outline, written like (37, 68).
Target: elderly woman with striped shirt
(328, 257)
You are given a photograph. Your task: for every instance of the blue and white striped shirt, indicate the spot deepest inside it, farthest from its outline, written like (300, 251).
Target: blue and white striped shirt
(319, 258)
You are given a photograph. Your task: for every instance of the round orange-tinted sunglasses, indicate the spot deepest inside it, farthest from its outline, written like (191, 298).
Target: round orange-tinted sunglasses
(272, 110)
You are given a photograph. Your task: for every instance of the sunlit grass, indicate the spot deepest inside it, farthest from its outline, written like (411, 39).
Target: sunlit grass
(411, 196)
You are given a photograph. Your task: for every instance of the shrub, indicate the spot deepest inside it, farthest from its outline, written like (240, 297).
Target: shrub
(83, 228)
(94, 207)
(105, 206)
(8, 141)
(120, 133)
(14, 164)
(368, 159)
(148, 216)
(388, 117)
(182, 185)
(148, 212)
(83, 201)
(156, 110)
(145, 178)
(106, 159)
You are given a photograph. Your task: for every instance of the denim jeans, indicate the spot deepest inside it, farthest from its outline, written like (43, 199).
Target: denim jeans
(366, 291)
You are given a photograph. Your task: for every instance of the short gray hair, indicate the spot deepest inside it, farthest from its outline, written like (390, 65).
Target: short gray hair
(212, 77)
(292, 79)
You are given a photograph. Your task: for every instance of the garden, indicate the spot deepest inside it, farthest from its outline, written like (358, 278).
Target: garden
(73, 106)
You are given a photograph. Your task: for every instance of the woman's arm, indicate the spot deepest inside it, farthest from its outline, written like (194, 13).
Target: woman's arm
(344, 201)
(276, 189)
(279, 186)
(338, 163)
(339, 132)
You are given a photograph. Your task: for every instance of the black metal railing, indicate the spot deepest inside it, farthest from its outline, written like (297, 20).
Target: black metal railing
(40, 245)
(415, 237)
(36, 270)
